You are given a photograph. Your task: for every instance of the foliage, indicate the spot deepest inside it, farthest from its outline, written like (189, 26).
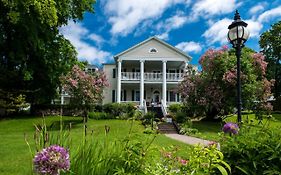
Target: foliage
(178, 112)
(148, 118)
(186, 128)
(174, 108)
(277, 104)
(202, 160)
(12, 102)
(84, 88)
(100, 115)
(270, 44)
(110, 157)
(33, 52)
(212, 91)
(181, 117)
(118, 109)
(125, 156)
(255, 150)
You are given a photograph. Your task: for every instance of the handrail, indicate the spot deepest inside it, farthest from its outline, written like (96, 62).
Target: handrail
(144, 107)
(151, 76)
(163, 108)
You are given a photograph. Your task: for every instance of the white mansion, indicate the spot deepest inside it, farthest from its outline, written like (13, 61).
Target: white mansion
(147, 73)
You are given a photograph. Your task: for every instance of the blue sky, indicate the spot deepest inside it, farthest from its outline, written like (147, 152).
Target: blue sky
(191, 25)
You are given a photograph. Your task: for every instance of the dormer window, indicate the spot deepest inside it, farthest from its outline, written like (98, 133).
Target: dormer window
(152, 50)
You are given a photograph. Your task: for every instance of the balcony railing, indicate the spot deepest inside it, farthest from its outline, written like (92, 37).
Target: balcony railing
(150, 76)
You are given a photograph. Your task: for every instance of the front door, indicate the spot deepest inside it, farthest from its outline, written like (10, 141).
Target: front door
(156, 97)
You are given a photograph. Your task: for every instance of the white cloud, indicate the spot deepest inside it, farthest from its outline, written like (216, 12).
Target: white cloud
(269, 14)
(96, 38)
(77, 35)
(126, 15)
(213, 7)
(174, 22)
(254, 27)
(257, 8)
(163, 36)
(218, 32)
(189, 47)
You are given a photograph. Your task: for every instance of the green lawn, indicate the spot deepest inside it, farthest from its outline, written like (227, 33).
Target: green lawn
(14, 153)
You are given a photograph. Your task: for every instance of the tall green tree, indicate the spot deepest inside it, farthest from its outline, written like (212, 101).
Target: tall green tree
(270, 43)
(33, 54)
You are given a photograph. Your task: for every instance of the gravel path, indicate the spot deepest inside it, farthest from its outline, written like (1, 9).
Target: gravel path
(188, 140)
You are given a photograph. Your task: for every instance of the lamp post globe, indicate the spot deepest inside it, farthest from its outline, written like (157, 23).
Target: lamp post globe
(237, 35)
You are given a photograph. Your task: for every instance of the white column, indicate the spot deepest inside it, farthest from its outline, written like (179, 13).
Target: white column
(141, 82)
(185, 67)
(119, 81)
(164, 85)
(62, 97)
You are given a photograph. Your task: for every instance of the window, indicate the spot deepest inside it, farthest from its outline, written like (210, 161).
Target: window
(113, 96)
(114, 73)
(137, 96)
(172, 96)
(123, 95)
(152, 50)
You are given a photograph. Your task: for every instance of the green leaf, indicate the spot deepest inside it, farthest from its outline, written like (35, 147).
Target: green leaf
(242, 170)
(221, 169)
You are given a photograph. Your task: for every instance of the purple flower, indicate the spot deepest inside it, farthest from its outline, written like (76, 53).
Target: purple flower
(231, 128)
(51, 160)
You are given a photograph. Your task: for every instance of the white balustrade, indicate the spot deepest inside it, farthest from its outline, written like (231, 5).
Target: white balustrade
(151, 76)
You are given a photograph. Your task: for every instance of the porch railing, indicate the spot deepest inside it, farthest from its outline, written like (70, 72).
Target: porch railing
(151, 76)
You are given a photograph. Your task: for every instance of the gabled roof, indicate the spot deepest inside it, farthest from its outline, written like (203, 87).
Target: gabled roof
(157, 39)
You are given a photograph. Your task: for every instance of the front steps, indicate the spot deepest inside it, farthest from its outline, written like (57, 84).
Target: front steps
(157, 110)
(167, 128)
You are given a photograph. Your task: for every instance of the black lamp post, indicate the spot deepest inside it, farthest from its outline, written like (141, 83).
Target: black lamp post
(237, 36)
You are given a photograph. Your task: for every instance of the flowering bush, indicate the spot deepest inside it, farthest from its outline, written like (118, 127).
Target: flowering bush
(202, 160)
(52, 160)
(231, 128)
(84, 88)
(213, 91)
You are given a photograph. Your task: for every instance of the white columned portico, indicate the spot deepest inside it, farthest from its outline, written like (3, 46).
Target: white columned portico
(164, 85)
(141, 83)
(119, 80)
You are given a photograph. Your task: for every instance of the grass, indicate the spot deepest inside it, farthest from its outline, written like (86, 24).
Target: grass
(210, 130)
(14, 152)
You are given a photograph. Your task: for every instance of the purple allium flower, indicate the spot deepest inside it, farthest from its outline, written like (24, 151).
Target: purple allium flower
(51, 160)
(231, 128)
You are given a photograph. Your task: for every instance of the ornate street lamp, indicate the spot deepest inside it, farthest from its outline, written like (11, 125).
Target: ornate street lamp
(237, 36)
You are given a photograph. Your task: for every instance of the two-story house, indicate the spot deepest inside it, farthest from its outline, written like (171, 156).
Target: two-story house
(147, 73)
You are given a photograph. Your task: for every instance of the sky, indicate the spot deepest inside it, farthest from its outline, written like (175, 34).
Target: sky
(190, 25)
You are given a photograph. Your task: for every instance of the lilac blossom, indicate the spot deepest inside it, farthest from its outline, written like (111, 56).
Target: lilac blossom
(51, 160)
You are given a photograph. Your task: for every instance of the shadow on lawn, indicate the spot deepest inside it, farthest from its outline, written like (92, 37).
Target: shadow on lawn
(208, 126)
(66, 124)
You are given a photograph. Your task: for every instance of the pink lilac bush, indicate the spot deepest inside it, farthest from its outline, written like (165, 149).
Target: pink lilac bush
(83, 87)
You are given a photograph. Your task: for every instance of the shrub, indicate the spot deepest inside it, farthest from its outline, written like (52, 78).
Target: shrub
(118, 109)
(181, 117)
(186, 128)
(148, 118)
(202, 160)
(255, 150)
(99, 115)
(277, 104)
(174, 108)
